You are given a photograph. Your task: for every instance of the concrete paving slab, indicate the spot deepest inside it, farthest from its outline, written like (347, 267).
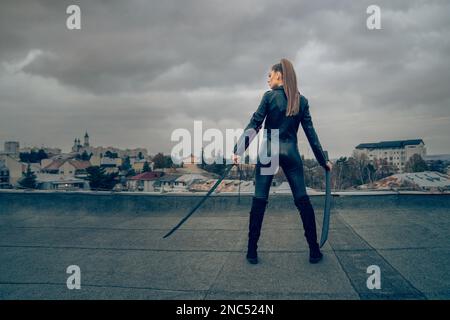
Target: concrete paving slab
(117, 242)
(400, 236)
(426, 269)
(283, 272)
(59, 292)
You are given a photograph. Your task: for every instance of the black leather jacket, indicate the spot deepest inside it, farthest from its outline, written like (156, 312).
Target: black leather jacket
(273, 108)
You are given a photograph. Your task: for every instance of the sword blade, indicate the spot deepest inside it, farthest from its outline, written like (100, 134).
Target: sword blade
(326, 210)
(227, 170)
(241, 147)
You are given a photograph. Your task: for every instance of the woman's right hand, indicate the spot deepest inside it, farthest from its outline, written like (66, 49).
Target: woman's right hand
(329, 166)
(235, 158)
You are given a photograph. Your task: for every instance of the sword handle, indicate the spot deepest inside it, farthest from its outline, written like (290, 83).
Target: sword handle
(325, 154)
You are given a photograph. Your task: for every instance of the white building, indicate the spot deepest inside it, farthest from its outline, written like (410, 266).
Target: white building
(4, 176)
(11, 147)
(15, 167)
(48, 181)
(100, 152)
(396, 153)
(48, 150)
(143, 181)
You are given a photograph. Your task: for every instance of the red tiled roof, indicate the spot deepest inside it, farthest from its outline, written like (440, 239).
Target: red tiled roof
(147, 176)
(77, 164)
(80, 164)
(54, 165)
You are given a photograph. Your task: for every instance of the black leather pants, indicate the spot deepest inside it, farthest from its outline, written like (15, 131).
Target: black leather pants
(292, 165)
(291, 162)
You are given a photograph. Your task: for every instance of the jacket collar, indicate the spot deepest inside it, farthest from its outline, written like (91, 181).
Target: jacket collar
(280, 87)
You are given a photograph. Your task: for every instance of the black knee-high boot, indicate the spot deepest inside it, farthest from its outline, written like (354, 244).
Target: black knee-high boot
(254, 230)
(309, 225)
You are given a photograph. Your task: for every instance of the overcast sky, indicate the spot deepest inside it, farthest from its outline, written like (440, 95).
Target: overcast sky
(137, 70)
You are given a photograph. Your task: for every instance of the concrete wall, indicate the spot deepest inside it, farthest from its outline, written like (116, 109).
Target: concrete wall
(103, 203)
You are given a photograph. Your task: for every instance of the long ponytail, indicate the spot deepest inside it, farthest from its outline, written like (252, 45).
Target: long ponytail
(290, 86)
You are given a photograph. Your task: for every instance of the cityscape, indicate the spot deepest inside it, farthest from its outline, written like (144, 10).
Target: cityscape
(118, 180)
(386, 165)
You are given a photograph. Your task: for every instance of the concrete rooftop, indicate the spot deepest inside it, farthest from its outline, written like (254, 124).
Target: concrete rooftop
(116, 240)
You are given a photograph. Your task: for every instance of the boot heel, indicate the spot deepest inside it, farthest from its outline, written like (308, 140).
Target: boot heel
(252, 260)
(315, 259)
(314, 253)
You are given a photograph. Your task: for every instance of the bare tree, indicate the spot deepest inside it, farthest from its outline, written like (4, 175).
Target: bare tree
(361, 161)
(416, 164)
(341, 165)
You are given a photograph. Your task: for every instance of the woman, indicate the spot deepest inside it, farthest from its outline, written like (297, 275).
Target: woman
(283, 108)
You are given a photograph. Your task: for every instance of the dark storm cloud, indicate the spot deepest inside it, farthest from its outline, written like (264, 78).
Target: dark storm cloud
(139, 69)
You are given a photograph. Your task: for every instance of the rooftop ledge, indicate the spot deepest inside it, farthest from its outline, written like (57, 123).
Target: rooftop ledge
(220, 194)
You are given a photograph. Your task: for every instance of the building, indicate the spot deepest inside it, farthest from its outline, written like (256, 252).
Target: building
(101, 156)
(100, 151)
(166, 183)
(111, 165)
(186, 180)
(51, 152)
(34, 167)
(242, 168)
(14, 166)
(47, 181)
(132, 153)
(190, 163)
(86, 140)
(4, 176)
(65, 166)
(226, 185)
(143, 181)
(78, 147)
(138, 164)
(12, 147)
(396, 153)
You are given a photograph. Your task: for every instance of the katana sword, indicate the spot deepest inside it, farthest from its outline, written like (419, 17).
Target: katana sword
(227, 170)
(241, 142)
(326, 210)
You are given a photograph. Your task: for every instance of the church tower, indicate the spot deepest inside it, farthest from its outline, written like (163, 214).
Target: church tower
(86, 140)
(75, 145)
